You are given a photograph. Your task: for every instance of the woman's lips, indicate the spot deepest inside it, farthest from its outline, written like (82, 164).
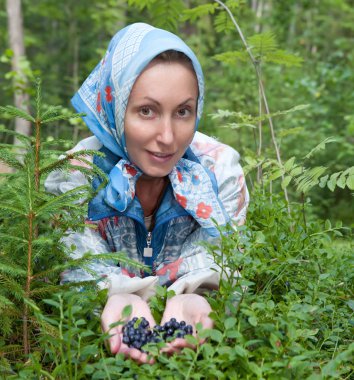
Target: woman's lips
(160, 157)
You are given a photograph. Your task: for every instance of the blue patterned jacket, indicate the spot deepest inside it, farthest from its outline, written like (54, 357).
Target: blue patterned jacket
(178, 260)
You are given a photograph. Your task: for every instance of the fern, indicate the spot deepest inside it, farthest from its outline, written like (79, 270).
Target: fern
(201, 10)
(264, 49)
(320, 146)
(163, 14)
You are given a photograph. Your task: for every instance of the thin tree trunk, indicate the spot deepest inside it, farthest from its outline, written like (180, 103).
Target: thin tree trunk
(21, 98)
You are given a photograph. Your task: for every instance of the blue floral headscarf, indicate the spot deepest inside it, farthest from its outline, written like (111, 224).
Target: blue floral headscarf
(104, 96)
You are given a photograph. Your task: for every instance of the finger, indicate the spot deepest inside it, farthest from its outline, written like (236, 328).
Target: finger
(207, 322)
(136, 355)
(114, 340)
(181, 343)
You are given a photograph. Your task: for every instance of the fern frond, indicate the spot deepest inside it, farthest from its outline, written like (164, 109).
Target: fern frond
(263, 44)
(222, 22)
(282, 57)
(320, 146)
(231, 57)
(201, 10)
(309, 178)
(141, 4)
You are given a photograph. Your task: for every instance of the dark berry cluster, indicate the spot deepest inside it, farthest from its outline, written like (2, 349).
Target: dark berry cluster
(137, 332)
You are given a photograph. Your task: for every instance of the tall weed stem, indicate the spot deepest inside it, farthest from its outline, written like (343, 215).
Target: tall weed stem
(262, 92)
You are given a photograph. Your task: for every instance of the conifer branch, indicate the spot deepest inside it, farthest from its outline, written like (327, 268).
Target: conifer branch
(16, 112)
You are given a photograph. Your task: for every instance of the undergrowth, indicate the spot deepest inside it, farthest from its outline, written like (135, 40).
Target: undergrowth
(289, 316)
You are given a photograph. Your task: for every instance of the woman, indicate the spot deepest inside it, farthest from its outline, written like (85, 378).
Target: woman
(168, 184)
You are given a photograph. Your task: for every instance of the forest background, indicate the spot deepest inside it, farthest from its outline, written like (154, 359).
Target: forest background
(285, 103)
(63, 44)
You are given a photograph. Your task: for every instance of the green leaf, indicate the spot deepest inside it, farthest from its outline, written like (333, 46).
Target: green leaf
(285, 182)
(350, 303)
(341, 181)
(328, 224)
(127, 311)
(229, 323)
(191, 340)
(289, 164)
(350, 182)
(323, 181)
(216, 335)
(253, 321)
(276, 174)
(296, 171)
(260, 238)
(331, 184)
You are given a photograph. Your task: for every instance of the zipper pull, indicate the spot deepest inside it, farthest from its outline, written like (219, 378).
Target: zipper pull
(148, 250)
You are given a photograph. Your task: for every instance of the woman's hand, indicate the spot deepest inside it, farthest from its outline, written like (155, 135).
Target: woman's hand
(190, 308)
(112, 313)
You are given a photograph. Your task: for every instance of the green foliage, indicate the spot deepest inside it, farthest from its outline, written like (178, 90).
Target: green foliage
(33, 224)
(164, 14)
(289, 316)
(264, 48)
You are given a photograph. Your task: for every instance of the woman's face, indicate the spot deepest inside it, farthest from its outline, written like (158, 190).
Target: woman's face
(160, 117)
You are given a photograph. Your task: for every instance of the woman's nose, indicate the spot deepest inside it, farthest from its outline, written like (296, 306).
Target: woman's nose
(165, 132)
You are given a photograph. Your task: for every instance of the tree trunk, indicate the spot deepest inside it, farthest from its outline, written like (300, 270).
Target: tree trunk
(15, 30)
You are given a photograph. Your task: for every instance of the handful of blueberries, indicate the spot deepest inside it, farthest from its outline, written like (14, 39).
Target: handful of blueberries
(137, 332)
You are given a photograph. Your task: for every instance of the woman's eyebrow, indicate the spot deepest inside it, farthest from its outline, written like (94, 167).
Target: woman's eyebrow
(158, 103)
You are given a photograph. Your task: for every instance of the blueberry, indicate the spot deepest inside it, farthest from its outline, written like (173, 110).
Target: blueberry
(137, 344)
(131, 332)
(175, 325)
(168, 325)
(138, 334)
(144, 323)
(170, 332)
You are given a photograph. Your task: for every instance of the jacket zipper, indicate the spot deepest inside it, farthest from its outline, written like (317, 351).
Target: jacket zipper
(148, 249)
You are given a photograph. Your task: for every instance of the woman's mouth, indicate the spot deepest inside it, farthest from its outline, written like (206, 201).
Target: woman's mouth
(160, 157)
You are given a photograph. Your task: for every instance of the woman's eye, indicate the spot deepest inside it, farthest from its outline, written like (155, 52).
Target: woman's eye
(146, 111)
(183, 112)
